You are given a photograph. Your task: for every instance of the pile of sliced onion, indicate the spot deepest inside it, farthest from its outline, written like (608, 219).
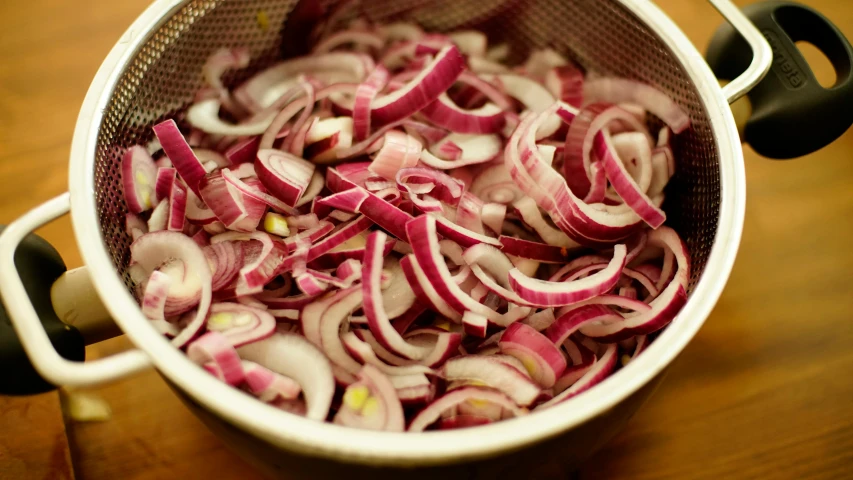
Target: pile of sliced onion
(400, 222)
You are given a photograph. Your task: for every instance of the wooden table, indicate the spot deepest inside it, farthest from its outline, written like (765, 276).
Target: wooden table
(764, 391)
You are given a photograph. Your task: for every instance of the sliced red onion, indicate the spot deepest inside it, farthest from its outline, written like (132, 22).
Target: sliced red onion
(234, 209)
(372, 403)
(400, 31)
(287, 113)
(422, 234)
(476, 149)
(493, 373)
(154, 298)
(224, 259)
(197, 212)
(573, 320)
(469, 213)
(327, 138)
(434, 79)
(537, 353)
(339, 237)
(263, 89)
(364, 96)
(529, 212)
(583, 131)
(293, 356)
(542, 60)
(180, 153)
(177, 207)
(464, 237)
(433, 412)
(310, 284)
(163, 184)
(439, 185)
(243, 151)
(554, 294)
(310, 235)
(599, 371)
(582, 364)
(363, 352)
(218, 356)
(413, 389)
(267, 385)
(240, 324)
(384, 214)
(540, 320)
(475, 324)
(429, 133)
(139, 178)
(566, 83)
(135, 226)
(534, 97)
(444, 112)
(261, 264)
(398, 151)
(624, 185)
(663, 308)
(621, 90)
(284, 175)
(373, 306)
(152, 250)
(533, 250)
(496, 185)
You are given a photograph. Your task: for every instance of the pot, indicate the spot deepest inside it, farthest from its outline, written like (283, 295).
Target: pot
(153, 73)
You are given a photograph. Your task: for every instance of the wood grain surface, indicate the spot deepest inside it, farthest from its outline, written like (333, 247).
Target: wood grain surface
(764, 391)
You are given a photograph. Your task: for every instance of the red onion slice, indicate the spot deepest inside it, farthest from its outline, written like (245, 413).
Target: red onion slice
(398, 151)
(373, 306)
(621, 90)
(476, 149)
(293, 356)
(139, 177)
(213, 351)
(444, 112)
(372, 403)
(599, 371)
(152, 250)
(177, 207)
(179, 151)
(154, 298)
(269, 386)
(493, 373)
(434, 79)
(163, 185)
(554, 294)
(663, 308)
(433, 412)
(624, 185)
(537, 353)
(240, 324)
(284, 175)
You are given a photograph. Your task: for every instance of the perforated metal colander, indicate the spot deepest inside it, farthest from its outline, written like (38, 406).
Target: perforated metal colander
(154, 72)
(162, 79)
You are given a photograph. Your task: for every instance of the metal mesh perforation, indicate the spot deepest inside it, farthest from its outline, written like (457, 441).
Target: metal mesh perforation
(600, 35)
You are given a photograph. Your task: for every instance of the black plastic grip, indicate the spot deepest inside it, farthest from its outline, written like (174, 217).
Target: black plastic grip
(39, 265)
(793, 115)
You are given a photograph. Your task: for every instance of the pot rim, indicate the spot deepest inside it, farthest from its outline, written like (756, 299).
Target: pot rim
(382, 448)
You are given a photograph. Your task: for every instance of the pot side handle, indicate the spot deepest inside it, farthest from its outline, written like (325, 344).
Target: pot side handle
(38, 350)
(792, 114)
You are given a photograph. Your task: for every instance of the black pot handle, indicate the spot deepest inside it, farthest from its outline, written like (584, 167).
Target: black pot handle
(39, 265)
(41, 349)
(792, 114)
